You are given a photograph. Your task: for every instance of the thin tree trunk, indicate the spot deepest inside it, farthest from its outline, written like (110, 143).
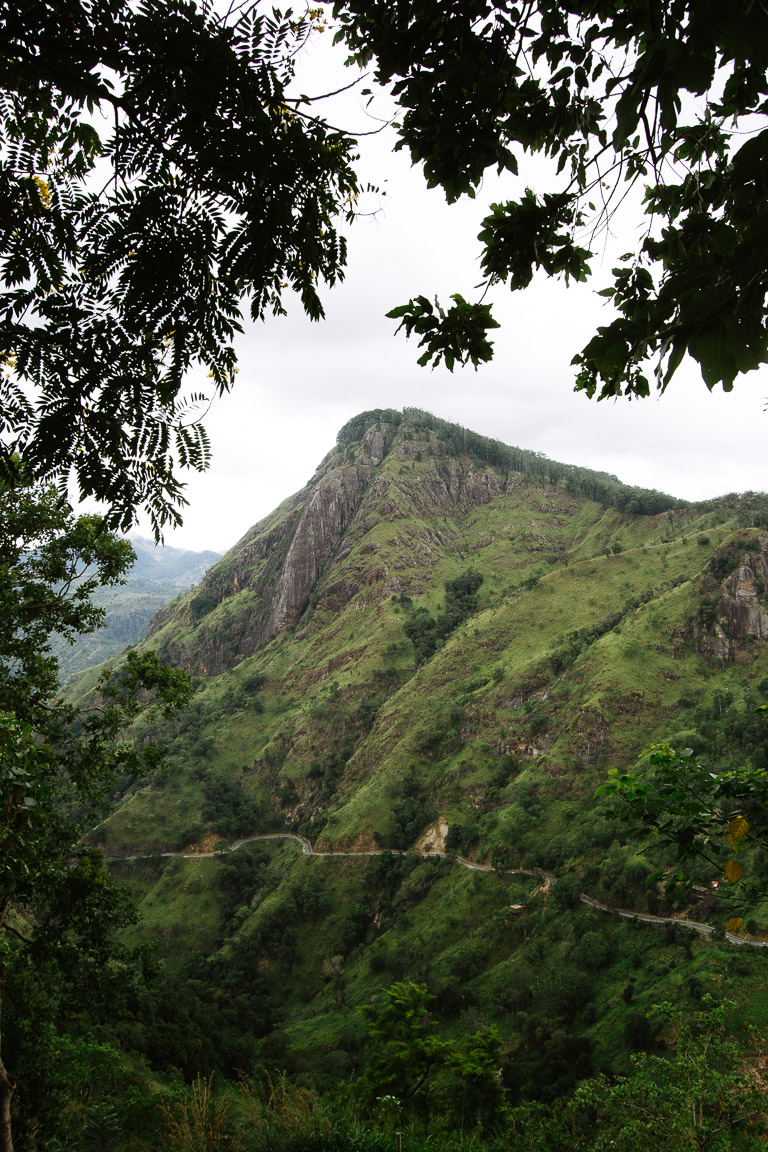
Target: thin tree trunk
(7, 1086)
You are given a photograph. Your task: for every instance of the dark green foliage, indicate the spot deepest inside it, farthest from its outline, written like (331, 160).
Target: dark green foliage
(72, 979)
(312, 899)
(227, 807)
(729, 731)
(447, 1096)
(331, 766)
(62, 970)
(410, 815)
(384, 875)
(366, 713)
(188, 834)
(462, 838)
(115, 284)
(355, 926)
(697, 1096)
(101, 1129)
(456, 335)
(354, 430)
(241, 873)
(592, 950)
(200, 605)
(205, 1019)
(709, 818)
(555, 1060)
(537, 725)
(240, 698)
(421, 630)
(664, 123)
(566, 893)
(460, 593)
(444, 734)
(50, 564)
(209, 1014)
(405, 1049)
(427, 633)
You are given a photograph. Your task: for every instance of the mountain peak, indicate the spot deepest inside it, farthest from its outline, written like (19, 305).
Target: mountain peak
(388, 504)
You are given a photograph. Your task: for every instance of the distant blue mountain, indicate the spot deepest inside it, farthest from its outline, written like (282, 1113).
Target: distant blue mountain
(158, 574)
(161, 564)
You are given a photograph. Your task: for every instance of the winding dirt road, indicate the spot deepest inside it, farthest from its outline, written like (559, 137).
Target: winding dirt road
(549, 880)
(308, 850)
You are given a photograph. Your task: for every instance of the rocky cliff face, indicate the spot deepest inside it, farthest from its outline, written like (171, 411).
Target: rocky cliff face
(301, 556)
(740, 614)
(321, 527)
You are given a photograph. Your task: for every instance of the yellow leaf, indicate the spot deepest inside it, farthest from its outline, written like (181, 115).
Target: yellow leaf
(734, 924)
(737, 830)
(733, 871)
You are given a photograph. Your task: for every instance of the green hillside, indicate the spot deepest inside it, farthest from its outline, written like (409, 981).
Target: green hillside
(442, 644)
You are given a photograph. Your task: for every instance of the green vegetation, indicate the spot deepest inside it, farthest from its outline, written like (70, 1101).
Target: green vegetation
(695, 287)
(427, 634)
(114, 283)
(61, 969)
(717, 821)
(456, 440)
(482, 647)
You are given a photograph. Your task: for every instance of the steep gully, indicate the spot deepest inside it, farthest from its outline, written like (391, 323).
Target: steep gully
(549, 880)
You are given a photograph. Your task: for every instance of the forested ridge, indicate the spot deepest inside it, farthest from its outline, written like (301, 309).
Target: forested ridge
(600, 486)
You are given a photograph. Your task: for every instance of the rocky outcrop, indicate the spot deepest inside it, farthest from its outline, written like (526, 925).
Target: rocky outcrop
(312, 550)
(319, 531)
(449, 485)
(377, 442)
(737, 613)
(279, 570)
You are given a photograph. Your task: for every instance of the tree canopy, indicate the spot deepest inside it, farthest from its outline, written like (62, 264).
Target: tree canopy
(668, 98)
(59, 768)
(159, 173)
(715, 821)
(154, 177)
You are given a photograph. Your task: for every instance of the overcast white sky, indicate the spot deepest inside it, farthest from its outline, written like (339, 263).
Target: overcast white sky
(299, 382)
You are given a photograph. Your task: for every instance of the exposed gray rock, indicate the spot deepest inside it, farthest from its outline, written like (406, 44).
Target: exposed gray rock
(312, 549)
(742, 615)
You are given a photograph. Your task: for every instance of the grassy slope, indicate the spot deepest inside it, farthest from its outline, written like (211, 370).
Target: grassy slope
(486, 733)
